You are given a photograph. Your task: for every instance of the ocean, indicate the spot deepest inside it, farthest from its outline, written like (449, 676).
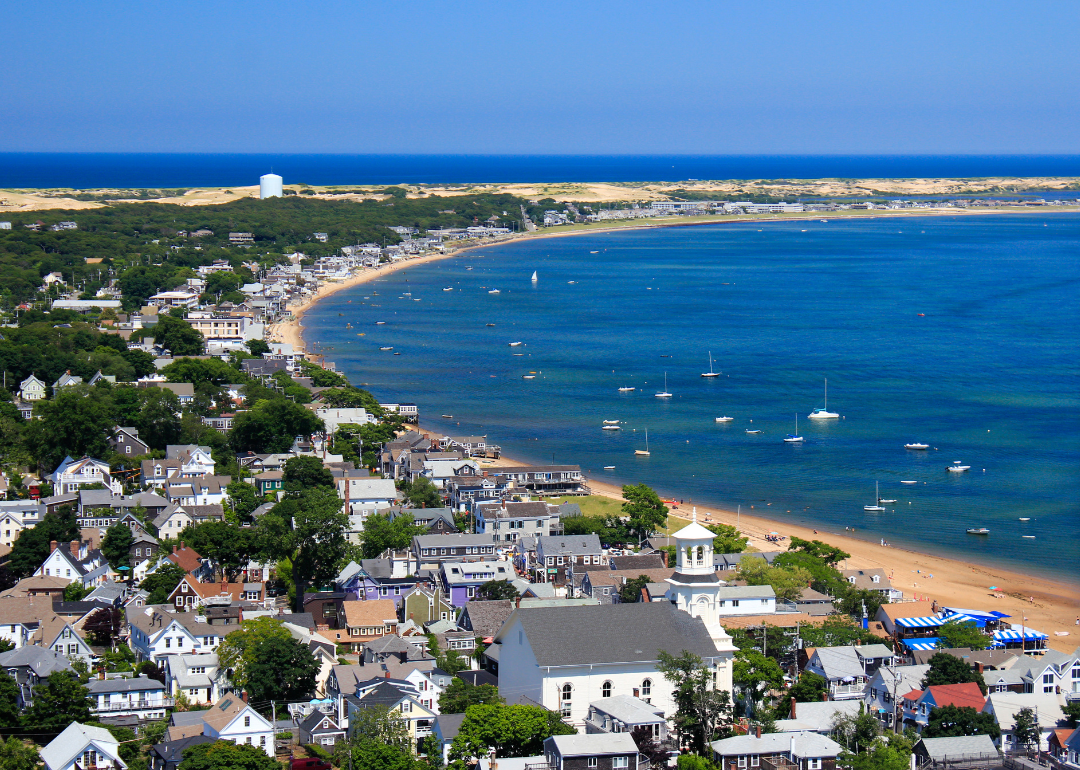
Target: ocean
(959, 332)
(165, 170)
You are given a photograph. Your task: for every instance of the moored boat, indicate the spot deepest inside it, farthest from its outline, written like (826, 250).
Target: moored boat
(794, 438)
(916, 446)
(956, 467)
(909, 481)
(611, 422)
(822, 413)
(710, 373)
(611, 427)
(978, 531)
(625, 390)
(878, 505)
(725, 419)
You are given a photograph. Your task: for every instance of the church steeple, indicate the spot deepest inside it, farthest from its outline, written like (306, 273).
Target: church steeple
(694, 551)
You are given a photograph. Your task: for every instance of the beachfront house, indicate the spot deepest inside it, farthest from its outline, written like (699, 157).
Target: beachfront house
(847, 669)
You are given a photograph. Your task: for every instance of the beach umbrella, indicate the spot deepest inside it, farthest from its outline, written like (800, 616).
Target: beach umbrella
(994, 588)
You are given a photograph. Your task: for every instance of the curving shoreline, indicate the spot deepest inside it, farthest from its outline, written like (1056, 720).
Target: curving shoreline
(1049, 605)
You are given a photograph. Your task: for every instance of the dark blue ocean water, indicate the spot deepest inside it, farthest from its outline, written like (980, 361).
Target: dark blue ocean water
(989, 375)
(157, 170)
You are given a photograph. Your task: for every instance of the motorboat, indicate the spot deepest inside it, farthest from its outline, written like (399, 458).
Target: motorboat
(1025, 518)
(625, 390)
(957, 468)
(710, 373)
(752, 431)
(1028, 537)
(449, 288)
(386, 347)
(611, 427)
(494, 291)
(664, 393)
(878, 505)
(822, 413)
(978, 531)
(916, 446)
(380, 323)
(517, 354)
(528, 376)
(725, 419)
(516, 344)
(489, 324)
(609, 467)
(644, 452)
(794, 438)
(448, 416)
(611, 422)
(909, 481)
(885, 501)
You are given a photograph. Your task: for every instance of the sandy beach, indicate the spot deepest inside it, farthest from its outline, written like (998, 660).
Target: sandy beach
(1049, 606)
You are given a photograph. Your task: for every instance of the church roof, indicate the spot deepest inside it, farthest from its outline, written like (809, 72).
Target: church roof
(694, 531)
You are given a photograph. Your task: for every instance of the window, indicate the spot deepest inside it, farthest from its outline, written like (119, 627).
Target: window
(406, 707)
(813, 763)
(89, 758)
(1048, 682)
(742, 760)
(592, 761)
(470, 591)
(646, 689)
(566, 695)
(605, 689)
(755, 760)
(262, 740)
(383, 591)
(168, 643)
(127, 449)
(248, 740)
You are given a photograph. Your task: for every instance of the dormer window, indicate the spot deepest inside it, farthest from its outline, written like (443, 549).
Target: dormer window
(876, 578)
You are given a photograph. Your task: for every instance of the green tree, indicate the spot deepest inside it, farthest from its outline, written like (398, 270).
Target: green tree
(459, 695)
(17, 754)
(177, 336)
(953, 721)
(200, 370)
(857, 731)
(62, 700)
(272, 425)
(76, 422)
(226, 755)
(787, 582)
(1072, 714)
(308, 530)
(631, 589)
(644, 510)
(379, 740)
(963, 634)
(837, 631)
(728, 539)
(828, 553)
(158, 419)
(702, 713)
(808, 689)
(852, 601)
(422, 493)
(1026, 730)
(694, 762)
(512, 731)
(755, 674)
(75, 591)
(238, 651)
(161, 582)
(949, 669)
(257, 347)
(242, 499)
(381, 532)
(116, 545)
(281, 669)
(305, 472)
(880, 756)
(496, 589)
(228, 546)
(9, 702)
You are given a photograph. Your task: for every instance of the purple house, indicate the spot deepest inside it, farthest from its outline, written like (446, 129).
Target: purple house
(371, 579)
(461, 579)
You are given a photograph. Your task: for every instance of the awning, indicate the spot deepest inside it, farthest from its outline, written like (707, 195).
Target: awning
(926, 643)
(961, 617)
(1012, 635)
(925, 622)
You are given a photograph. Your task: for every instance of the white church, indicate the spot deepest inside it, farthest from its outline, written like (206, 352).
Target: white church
(565, 658)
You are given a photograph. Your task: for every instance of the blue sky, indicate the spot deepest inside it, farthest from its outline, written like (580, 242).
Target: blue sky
(554, 77)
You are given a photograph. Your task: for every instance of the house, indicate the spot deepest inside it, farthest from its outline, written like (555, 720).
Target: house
(961, 749)
(364, 496)
(155, 633)
(846, 669)
(80, 747)
(624, 714)
(32, 389)
(437, 521)
(817, 716)
(540, 480)
(1053, 672)
(565, 658)
(604, 585)
(321, 729)
(460, 580)
(172, 521)
(508, 521)
(891, 615)
(873, 580)
(1059, 747)
(196, 677)
(230, 719)
(126, 441)
(135, 697)
(422, 605)
(62, 636)
(169, 755)
(366, 621)
(777, 751)
(485, 618)
(445, 728)
(885, 692)
(398, 698)
(269, 482)
(29, 665)
(70, 475)
(378, 579)
(185, 299)
(1004, 706)
(189, 560)
(75, 561)
(142, 547)
(190, 593)
(433, 549)
(556, 555)
(639, 561)
(599, 750)
(66, 380)
(919, 703)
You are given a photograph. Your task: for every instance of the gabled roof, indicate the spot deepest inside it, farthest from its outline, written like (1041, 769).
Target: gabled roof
(222, 713)
(188, 558)
(965, 694)
(591, 744)
(839, 662)
(40, 660)
(315, 718)
(568, 545)
(74, 739)
(487, 617)
(801, 744)
(374, 612)
(958, 747)
(617, 633)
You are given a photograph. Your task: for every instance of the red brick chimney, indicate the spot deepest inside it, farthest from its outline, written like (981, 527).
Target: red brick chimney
(174, 548)
(73, 547)
(52, 546)
(979, 666)
(757, 731)
(792, 708)
(243, 694)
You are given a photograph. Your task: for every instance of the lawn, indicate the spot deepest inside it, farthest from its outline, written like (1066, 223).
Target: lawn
(593, 505)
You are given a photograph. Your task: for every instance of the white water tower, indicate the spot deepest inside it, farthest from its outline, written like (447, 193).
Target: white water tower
(270, 186)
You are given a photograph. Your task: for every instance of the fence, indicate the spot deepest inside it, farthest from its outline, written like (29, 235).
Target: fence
(967, 760)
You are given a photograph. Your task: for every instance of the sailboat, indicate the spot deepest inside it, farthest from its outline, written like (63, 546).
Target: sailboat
(664, 393)
(710, 373)
(534, 278)
(877, 506)
(822, 413)
(645, 451)
(793, 438)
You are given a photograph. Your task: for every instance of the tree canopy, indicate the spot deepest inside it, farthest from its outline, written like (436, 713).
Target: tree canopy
(381, 533)
(963, 634)
(227, 755)
(459, 695)
(953, 721)
(703, 714)
(59, 701)
(644, 510)
(496, 589)
(631, 590)
(949, 669)
(512, 731)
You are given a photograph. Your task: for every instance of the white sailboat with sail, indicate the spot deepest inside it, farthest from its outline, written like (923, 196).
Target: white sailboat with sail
(644, 452)
(710, 373)
(534, 278)
(877, 506)
(664, 393)
(794, 438)
(822, 413)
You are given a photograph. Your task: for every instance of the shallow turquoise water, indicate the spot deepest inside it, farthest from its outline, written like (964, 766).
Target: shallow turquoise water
(988, 375)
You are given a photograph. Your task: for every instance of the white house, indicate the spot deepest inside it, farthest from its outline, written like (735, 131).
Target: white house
(365, 496)
(1004, 706)
(196, 677)
(32, 389)
(57, 634)
(75, 562)
(564, 658)
(70, 475)
(138, 696)
(334, 417)
(155, 634)
(232, 719)
(887, 688)
(745, 600)
(82, 746)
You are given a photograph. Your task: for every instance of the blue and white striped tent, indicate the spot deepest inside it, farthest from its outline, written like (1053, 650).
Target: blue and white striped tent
(924, 643)
(932, 621)
(1012, 635)
(960, 617)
